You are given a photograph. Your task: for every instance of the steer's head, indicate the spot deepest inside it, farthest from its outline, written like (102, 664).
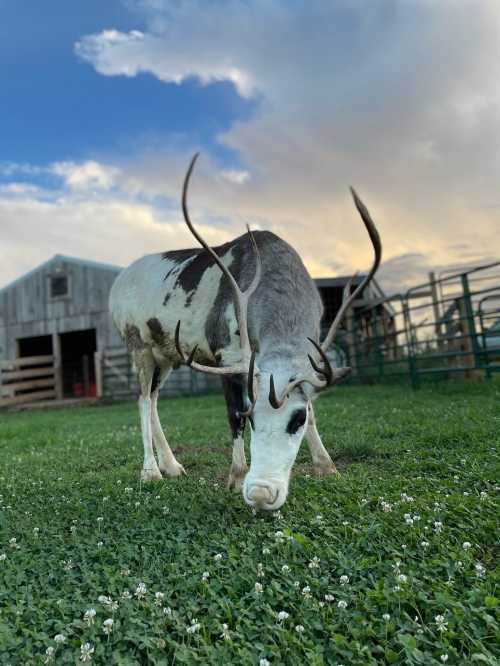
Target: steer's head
(279, 414)
(279, 392)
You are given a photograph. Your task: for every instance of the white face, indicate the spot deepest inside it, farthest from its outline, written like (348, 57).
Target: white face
(276, 435)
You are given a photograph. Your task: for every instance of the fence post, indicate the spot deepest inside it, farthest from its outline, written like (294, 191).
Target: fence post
(58, 370)
(98, 373)
(469, 322)
(412, 365)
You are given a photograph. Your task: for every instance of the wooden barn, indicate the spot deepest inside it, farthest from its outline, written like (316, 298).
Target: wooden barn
(57, 339)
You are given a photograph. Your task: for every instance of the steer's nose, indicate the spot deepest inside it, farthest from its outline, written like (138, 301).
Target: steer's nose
(262, 496)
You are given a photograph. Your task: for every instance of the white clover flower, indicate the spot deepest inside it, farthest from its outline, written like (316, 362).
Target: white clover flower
(60, 638)
(108, 602)
(36, 531)
(306, 592)
(265, 551)
(386, 506)
(194, 627)
(86, 652)
(342, 604)
(100, 544)
(314, 563)
(68, 565)
(440, 623)
(344, 580)
(424, 544)
(13, 543)
(279, 536)
(402, 578)
(386, 617)
(285, 568)
(466, 545)
(296, 584)
(107, 625)
(218, 557)
(128, 490)
(258, 588)
(167, 611)
(72, 529)
(329, 598)
(137, 504)
(480, 569)
(49, 655)
(264, 662)
(299, 628)
(407, 498)
(260, 570)
(282, 615)
(159, 596)
(126, 595)
(224, 634)
(483, 494)
(140, 591)
(3, 557)
(438, 526)
(100, 519)
(89, 616)
(205, 576)
(444, 658)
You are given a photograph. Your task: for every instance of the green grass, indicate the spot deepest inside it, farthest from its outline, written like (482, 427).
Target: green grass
(432, 455)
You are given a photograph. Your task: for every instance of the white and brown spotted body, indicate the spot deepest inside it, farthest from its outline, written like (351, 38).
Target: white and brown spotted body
(256, 284)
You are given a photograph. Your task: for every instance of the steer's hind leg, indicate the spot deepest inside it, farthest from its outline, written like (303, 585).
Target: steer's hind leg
(322, 462)
(145, 365)
(166, 459)
(234, 395)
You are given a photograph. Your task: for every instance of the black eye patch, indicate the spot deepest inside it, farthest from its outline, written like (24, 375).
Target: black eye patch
(296, 421)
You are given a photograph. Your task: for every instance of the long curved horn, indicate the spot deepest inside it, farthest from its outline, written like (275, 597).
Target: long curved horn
(377, 248)
(241, 298)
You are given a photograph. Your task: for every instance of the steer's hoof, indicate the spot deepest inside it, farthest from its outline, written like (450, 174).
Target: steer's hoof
(151, 475)
(174, 469)
(325, 469)
(236, 478)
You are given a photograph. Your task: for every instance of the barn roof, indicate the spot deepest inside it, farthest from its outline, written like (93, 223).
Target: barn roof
(59, 258)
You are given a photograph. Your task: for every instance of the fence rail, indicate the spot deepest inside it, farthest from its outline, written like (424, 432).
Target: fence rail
(117, 377)
(27, 380)
(449, 326)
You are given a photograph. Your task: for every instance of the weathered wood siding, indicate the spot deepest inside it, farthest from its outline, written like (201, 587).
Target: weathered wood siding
(26, 308)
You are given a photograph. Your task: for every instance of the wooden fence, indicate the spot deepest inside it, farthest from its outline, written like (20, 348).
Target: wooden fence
(116, 377)
(27, 380)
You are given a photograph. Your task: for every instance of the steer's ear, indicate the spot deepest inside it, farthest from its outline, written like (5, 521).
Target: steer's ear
(339, 374)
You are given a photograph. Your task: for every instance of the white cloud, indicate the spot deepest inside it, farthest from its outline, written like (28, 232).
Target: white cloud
(112, 52)
(89, 175)
(399, 99)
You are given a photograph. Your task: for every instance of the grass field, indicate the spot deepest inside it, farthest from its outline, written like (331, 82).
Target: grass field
(393, 562)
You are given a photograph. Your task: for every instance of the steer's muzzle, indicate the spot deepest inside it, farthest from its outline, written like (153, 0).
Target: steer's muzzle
(263, 495)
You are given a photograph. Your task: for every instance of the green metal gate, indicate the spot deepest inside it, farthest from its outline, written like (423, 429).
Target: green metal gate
(447, 327)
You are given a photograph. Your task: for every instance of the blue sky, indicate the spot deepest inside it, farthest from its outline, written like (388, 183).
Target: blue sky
(290, 102)
(56, 107)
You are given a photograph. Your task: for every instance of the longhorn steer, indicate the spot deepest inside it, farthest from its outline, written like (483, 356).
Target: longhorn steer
(247, 311)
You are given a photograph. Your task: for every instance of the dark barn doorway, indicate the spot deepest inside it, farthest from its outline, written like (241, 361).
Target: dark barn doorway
(41, 345)
(78, 366)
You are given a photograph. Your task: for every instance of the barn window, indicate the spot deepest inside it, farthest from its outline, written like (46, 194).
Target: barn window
(58, 286)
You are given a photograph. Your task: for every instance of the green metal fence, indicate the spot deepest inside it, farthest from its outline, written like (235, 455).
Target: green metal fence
(447, 327)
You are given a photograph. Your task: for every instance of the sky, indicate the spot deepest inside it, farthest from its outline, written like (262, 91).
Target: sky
(289, 103)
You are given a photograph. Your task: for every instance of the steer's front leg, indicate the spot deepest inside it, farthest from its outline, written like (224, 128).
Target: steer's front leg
(145, 365)
(234, 395)
(323, 464)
